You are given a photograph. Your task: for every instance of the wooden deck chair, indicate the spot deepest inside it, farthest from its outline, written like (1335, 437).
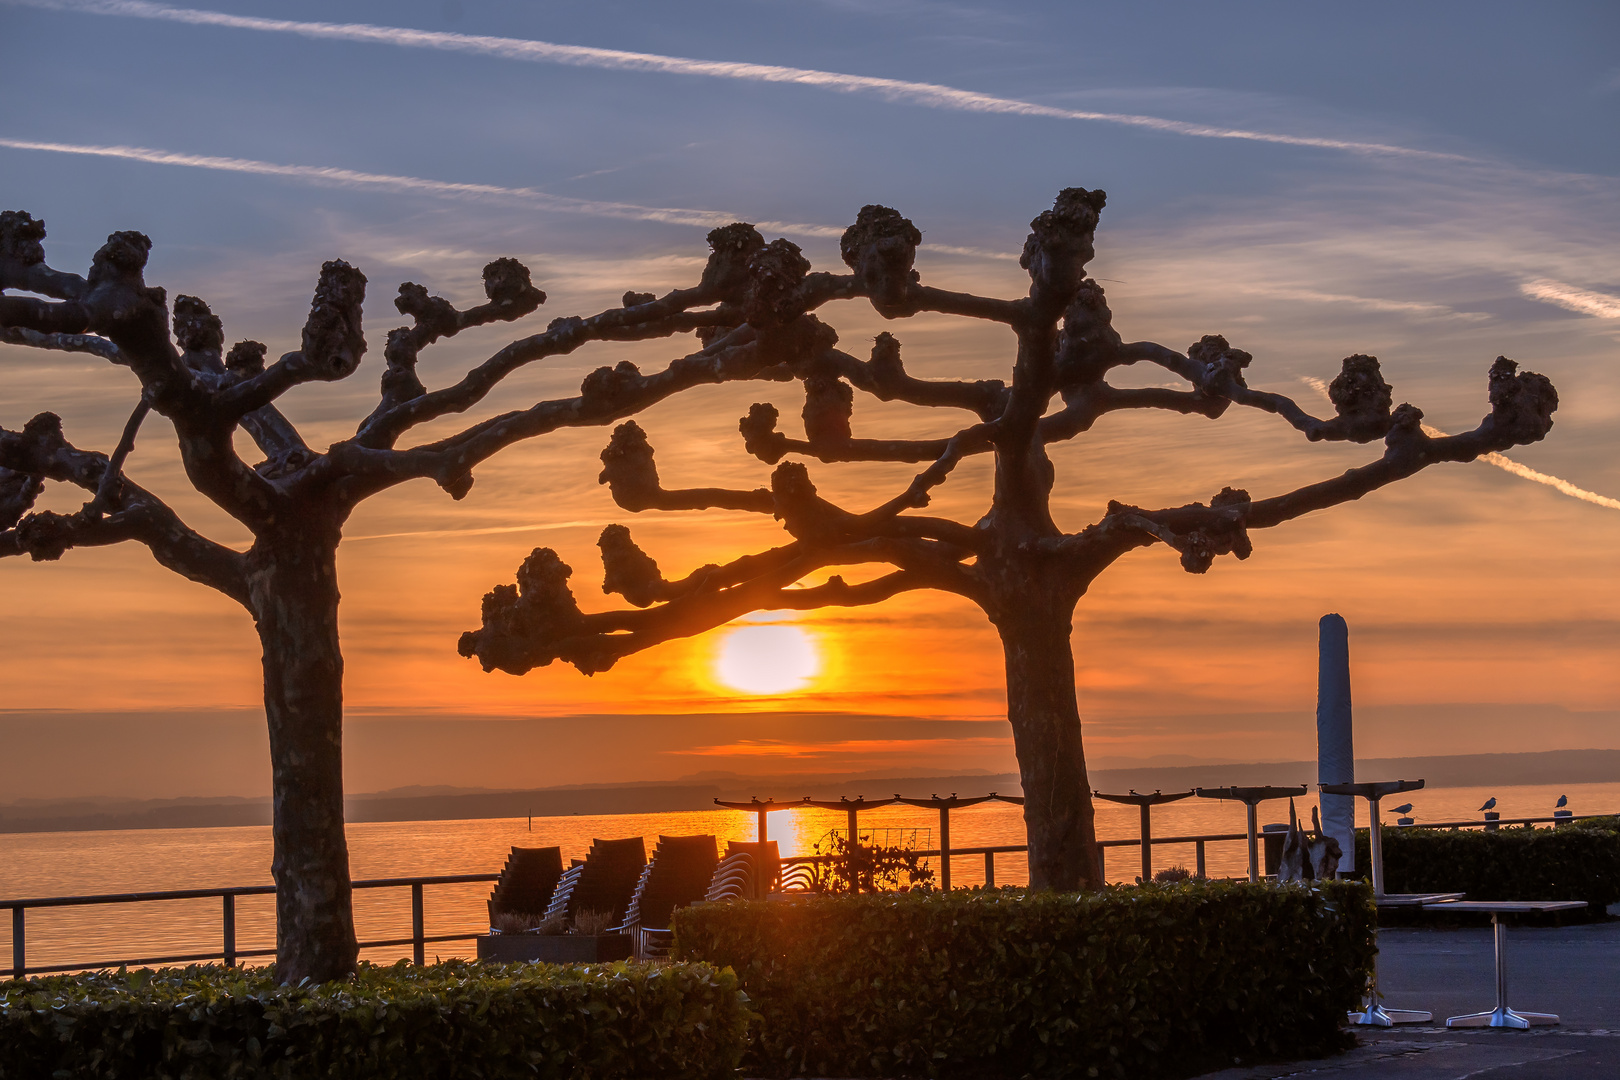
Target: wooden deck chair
(527, 881)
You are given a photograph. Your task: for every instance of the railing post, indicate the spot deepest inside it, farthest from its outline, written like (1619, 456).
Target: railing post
(19, 947)
(990, 868)
(854, 842)
(1200, 859)
(229, 929)
(945, 849)
(418, 946)
(1147, 843)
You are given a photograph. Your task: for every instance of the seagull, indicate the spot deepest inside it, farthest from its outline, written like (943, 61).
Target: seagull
(1563, 801)
(1405, 808)
(1490, 803)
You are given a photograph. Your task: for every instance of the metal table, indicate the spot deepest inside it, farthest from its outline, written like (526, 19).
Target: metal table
(1502, 1016)
(1373, 1014)
(1251, 797)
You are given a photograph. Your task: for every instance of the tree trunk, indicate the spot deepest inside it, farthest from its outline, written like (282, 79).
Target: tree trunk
(1046, 734)
(294, 594)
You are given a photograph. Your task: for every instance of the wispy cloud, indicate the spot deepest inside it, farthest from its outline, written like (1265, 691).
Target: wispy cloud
(927, 95)
(1585, 301)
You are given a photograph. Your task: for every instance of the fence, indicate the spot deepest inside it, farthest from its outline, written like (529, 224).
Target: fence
(230, 954)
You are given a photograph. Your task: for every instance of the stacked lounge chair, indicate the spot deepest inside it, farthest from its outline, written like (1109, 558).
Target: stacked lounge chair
(679, 873)
(604, 881)
(527, 882)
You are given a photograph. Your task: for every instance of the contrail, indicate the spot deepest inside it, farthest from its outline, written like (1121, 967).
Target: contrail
(1506, 464)
(669, 215)
(928, 95)
(1584, 301)
(352, 178)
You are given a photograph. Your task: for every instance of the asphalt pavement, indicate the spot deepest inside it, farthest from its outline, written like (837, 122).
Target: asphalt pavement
(1571, 971)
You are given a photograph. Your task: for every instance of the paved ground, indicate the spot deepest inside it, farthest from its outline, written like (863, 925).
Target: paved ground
(1572, 971)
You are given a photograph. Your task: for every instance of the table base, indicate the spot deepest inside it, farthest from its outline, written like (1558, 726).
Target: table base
(1375, 1015)
(1503, 1017)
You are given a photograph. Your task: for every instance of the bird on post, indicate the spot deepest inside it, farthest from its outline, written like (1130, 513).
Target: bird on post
(1490, 803)
(1404, 808)
(1563, 801)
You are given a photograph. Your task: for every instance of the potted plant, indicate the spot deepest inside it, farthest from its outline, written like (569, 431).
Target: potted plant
(518, 937)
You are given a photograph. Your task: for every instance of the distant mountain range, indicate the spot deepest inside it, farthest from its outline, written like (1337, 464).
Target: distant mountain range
(699, 792)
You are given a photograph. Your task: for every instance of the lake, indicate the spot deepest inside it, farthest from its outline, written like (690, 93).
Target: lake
(62, 863)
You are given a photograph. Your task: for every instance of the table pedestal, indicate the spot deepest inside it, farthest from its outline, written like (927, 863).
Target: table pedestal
(1502, 1016)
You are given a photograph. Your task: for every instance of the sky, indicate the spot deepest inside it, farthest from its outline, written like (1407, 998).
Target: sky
(1435, 185)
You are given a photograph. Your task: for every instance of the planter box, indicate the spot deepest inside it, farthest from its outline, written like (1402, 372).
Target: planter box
(554, 948)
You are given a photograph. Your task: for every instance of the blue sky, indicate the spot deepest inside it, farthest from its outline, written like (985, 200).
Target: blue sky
(1435, 184)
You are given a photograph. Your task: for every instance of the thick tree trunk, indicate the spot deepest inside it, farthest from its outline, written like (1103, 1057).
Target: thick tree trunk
(1046, 734)
(295, 602)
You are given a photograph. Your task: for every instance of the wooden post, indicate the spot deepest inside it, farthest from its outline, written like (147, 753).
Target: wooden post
(1254, 845)
(418, 946)
(229, 930)
(990, 868)
(1199, 856)
(762, 813)
(945, 848)
(19, 948)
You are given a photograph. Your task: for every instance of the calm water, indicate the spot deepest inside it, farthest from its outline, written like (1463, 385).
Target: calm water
(55, 864)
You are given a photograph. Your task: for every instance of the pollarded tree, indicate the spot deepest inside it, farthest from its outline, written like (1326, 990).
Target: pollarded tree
(295, 501)
(1014, 562)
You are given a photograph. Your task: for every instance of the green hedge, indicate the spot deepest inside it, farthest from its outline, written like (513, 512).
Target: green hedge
(1140, 981)
(457, 1019)
(1579, 861)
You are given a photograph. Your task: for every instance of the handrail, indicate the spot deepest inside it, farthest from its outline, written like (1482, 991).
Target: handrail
(229, 953)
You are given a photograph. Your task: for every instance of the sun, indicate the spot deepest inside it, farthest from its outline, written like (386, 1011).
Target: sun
(767, 659)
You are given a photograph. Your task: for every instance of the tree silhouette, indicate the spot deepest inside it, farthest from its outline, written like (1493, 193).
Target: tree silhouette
(296, 500)
(1014, 562)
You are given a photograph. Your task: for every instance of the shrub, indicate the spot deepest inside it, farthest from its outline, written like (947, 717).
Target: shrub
(1140, 981)
(867, 868)
(457, 1019)
(1579, 861)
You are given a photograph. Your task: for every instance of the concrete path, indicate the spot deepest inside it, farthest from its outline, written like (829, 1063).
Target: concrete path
(1572, 971)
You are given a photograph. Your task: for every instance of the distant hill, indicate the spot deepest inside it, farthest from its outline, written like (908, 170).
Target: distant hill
(448, 804)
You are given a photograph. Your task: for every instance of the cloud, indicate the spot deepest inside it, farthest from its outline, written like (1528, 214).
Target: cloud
(898, 91)
(1585, 301)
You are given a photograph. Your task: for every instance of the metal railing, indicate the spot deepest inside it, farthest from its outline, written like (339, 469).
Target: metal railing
(228, 952)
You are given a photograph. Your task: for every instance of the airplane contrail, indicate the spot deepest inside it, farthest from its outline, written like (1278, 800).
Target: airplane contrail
(1585, 301)
(928, 95)
(669, 215)
(1506, 464)
(351, 177)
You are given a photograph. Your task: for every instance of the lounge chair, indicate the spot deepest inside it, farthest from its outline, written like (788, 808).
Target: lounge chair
(604, 881)
(527, 882)
(680, 872)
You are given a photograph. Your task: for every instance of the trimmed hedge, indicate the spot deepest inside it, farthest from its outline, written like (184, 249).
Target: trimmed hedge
(1139, 981)
(1578, 861)
(456, 1019)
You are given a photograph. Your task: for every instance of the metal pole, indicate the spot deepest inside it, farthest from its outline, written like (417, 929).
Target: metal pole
(854, 841)
(1500, 932)
(1147, 843)
(945, 848)
(990, 868)
(19, 948)
(417, 944)
(1375, 846)
(1200, 858)
(1254, 846)
(229, 929)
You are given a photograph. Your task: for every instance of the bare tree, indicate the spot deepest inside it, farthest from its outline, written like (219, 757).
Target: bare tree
(1014, 562)
(296, 500)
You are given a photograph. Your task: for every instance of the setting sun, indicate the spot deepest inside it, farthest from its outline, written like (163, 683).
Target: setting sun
(767, 659)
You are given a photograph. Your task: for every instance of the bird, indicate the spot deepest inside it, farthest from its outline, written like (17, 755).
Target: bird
(1405, 808)
(1490, 803)
(1563, 801)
